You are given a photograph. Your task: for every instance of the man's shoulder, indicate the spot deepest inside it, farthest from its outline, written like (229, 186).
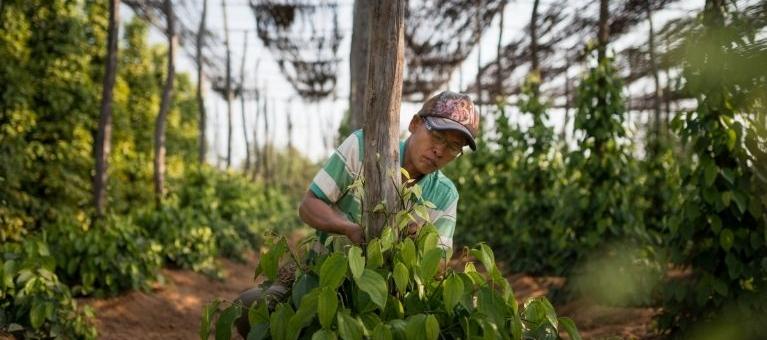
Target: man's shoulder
(441, 191)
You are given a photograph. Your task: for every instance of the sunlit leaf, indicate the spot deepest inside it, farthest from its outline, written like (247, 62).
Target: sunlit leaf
(333, 271)
(327, 303)
(374, 285)
(452, 292)
(356, 261)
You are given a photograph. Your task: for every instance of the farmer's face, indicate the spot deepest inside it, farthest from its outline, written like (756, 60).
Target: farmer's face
(430, 150)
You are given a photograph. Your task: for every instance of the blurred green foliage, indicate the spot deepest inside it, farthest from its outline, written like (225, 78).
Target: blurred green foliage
(720, 236)
(51, 66)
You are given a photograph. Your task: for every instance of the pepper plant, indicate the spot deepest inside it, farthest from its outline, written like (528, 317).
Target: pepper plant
(724, 216)
(393, 287)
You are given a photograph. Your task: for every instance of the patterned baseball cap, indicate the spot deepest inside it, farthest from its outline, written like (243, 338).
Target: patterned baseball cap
(452, 111)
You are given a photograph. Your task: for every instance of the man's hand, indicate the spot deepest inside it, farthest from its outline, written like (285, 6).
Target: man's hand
(355, 233)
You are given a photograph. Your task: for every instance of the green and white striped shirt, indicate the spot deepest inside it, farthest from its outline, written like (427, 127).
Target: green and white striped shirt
(345, 165)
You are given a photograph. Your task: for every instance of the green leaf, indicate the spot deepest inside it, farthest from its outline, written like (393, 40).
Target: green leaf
(381, 332)
(740, 201)
(258, 313)
(432, 327)
(387, 239)
(327, 304)
(37, 314)
(726, 239)
(225, 321)
(430, 264)
(491, 305)
(485, 255)
(349, 327)
(551, 314)
(416, 327)
(429, 241)
(728, 175)
(374, 285)
(356, 261)
(709, 174)
(716, 223)
(516, 327)
(404, 173)
(726, 198)
(452, 292)
(570, 328)
(398, 328)
(269, 261)
(305, 283)
(421, 210)
(394, 309)
(306, 311)
(407, 253)
(207, 316)
(324, 334)
(732, 137)
(401, 277)
(258, 331)
(333, 271)
(375, 256)
(278, 323)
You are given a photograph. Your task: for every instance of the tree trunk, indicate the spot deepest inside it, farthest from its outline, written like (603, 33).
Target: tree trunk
(203, 147)
(655, 75)
(358, 63)
(383, 96)
(104, 138)
(228, 88)
(242, 103)
(159, 132)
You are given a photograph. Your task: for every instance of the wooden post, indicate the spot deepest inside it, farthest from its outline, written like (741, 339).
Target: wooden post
(228, 88)
(104, 137)
(358, 63)
(203, 147)
(159, 132)
(655, 75)
(242, 103)
(603, 34)
(383, 96)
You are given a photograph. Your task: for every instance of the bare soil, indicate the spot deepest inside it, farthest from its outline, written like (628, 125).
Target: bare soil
(172, 310)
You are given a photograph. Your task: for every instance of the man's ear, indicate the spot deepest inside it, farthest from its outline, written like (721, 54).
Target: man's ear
(414, 123)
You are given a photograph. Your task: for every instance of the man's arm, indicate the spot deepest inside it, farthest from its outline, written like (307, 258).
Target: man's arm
(319, 215)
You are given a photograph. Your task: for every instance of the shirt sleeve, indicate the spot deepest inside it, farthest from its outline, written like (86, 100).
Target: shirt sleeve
(332, 181)
(444, 221)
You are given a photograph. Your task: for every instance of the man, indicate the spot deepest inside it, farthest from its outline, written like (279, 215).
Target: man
(445, 124)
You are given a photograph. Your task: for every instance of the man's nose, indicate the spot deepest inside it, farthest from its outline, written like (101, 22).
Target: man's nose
(439, 149)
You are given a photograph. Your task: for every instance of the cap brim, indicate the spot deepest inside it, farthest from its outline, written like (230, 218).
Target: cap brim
(442, 124)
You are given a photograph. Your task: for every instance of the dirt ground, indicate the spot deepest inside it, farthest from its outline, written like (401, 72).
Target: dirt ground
(172, 310)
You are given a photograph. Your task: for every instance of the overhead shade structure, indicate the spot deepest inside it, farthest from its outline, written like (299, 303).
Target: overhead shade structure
(303, 36)
(187, 22)
(563, 32)
(439, 35)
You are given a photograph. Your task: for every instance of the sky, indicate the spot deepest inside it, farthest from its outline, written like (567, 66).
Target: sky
(311, 119)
